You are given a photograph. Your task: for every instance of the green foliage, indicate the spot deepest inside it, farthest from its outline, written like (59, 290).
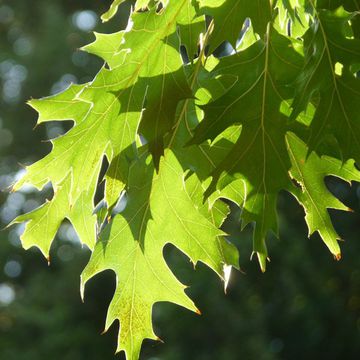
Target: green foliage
(277, 113)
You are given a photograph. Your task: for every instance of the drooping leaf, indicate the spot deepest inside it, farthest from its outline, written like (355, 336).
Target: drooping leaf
(174, 125)
(327, 49)
(115, 103)
(265, 72)
(156, 69)
(159, 211)
(309, 173)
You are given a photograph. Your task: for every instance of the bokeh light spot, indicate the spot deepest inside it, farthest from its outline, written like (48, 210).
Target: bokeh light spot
(85, 20)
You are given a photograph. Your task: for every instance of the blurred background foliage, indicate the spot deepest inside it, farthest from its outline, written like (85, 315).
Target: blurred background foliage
(306, 306)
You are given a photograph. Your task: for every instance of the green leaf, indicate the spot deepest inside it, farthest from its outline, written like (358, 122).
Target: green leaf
(266, 70)
(312, 193)
(159, 211)
(114, 105)
(181, 131)
(156, 69)
(327, 49)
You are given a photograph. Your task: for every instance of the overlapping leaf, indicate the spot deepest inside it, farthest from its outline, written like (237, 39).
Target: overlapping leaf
(159, 211)
(235, 111)
(329, 55)
(313, 194)
(265, 72)
(107, 112)
(106, 115)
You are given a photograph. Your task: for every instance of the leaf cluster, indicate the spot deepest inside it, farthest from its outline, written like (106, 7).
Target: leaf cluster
(183, 125)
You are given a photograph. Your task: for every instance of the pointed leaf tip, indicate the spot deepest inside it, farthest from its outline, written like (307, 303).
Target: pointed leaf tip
(82, 290)
(262, 258)
(227, 274)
